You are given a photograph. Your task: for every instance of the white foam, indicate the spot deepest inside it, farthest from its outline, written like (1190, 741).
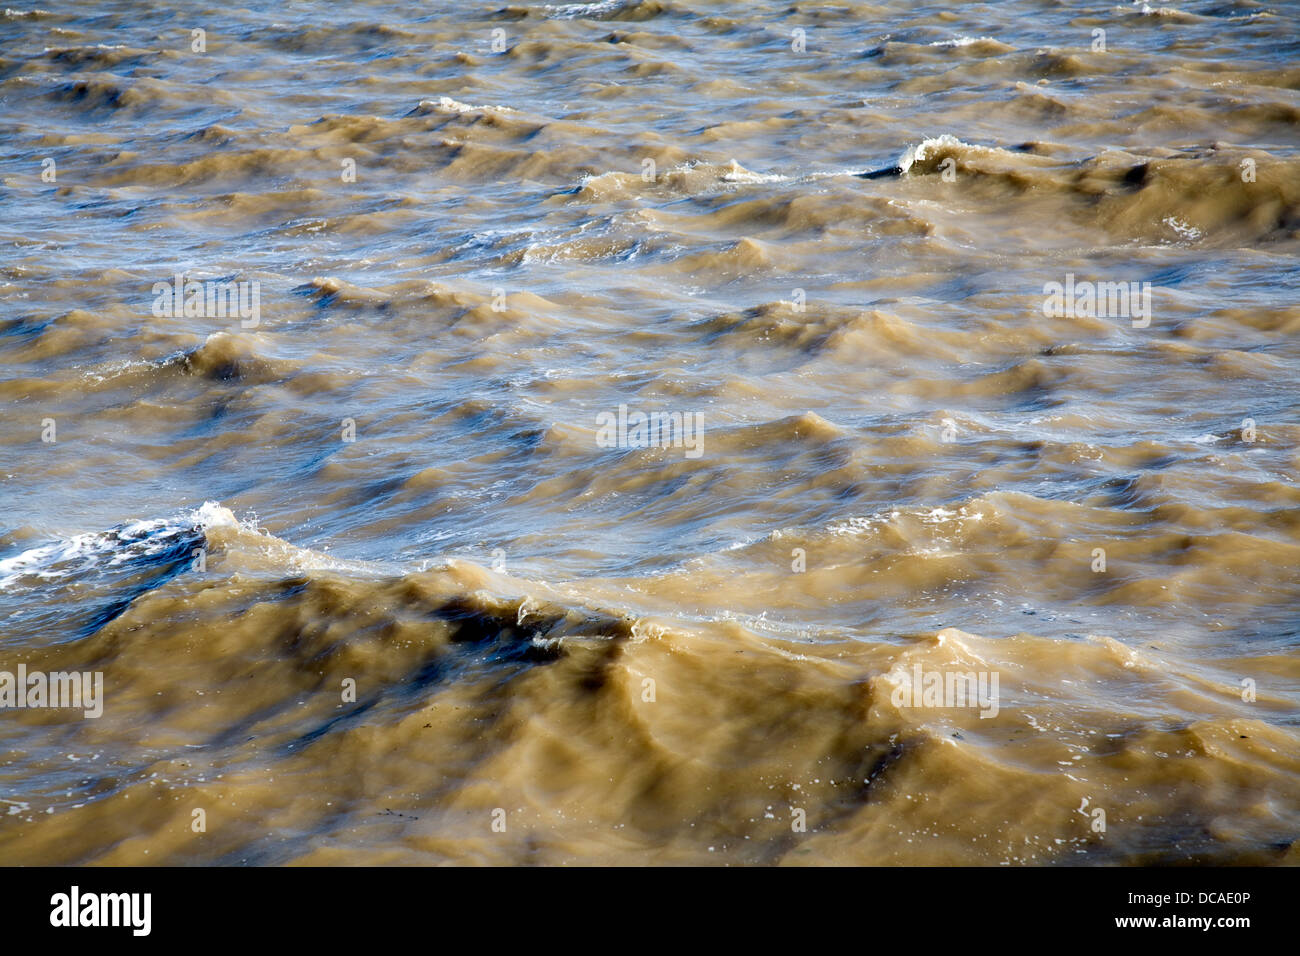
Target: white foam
(938, 515)
(923, 149)
(1183, 229)
(1150, 11)
(569, 11)
(737, 173)
(731, 173)
(962, 41)
(212, 515)
(445, 104)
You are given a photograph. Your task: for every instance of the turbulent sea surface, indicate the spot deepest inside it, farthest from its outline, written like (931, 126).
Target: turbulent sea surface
(368, 583)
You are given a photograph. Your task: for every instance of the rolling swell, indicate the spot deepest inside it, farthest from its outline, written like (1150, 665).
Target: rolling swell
(465, 676)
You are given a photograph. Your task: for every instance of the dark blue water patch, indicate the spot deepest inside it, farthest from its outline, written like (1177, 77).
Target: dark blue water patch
(1036, 398)
(1121, 492)
(345, 718)
(311, 465)
(957, 288)
(94, 204)
(24, 326)
(1062, 488)
(182, 562)
(478, 424)
(375, 494)
(476, 635)
(1173, 276)
(170, 563)
(1161, 462)
(290, 588)
(307, 290)
(527, 440)
(100, 584)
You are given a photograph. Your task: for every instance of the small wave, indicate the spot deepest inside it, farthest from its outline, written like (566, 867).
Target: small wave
(736, 173)
(963, 41)
(1171, 13)
(927, 153)
(926, 149)
(139, 542)
(936, 515)
(445, 104)
(609, 10)
(1149, 11)
(573, 11)
(224, 357)
(692, 178)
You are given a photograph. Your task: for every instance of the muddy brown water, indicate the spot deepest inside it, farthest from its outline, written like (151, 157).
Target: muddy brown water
(616, 432)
